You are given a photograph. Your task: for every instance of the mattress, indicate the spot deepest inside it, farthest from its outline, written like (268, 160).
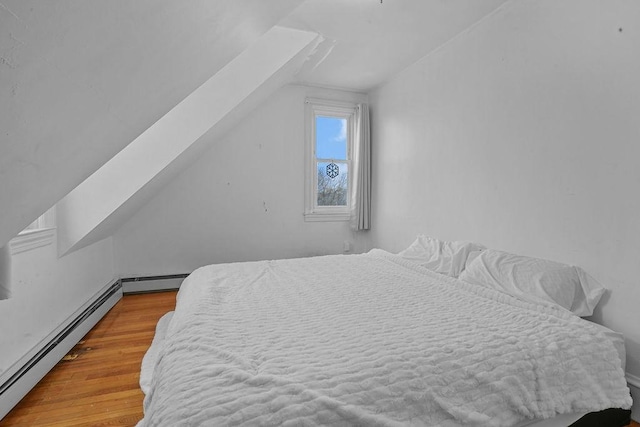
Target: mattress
(370, 340)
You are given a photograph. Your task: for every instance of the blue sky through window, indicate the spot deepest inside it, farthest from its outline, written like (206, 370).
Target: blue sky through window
(331, 138)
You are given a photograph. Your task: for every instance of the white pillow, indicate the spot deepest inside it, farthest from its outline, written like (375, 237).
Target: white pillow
(472, 255)
(440, 256)
(535, 280)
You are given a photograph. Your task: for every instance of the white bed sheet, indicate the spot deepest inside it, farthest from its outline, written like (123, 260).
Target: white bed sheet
(149, 360)
(273, 294)
(150, 357)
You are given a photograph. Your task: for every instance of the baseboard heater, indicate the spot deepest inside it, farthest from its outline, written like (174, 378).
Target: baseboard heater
(53, 348)
(140, 285)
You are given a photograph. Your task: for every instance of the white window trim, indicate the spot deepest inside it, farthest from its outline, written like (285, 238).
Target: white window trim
(32, 239)
(314, 107)
(38, 237)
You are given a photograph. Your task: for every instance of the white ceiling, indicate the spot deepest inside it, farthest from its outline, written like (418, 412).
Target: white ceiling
(368, 41)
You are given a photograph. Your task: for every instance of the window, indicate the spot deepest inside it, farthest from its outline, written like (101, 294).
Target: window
(46, 220)
(37, 234)
(329, 127)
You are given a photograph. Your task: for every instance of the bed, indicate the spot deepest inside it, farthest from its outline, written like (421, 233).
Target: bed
(374, 339)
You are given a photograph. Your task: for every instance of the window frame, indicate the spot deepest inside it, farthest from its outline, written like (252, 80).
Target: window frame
(42, 234)
(326, 108)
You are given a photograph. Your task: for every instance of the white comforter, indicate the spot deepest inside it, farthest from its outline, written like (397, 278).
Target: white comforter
(370, 340)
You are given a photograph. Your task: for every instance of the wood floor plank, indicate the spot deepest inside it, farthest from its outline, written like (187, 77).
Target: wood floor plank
(100, 386)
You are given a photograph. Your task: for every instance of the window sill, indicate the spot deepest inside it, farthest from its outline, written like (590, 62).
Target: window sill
(326, 217)
(32, 239)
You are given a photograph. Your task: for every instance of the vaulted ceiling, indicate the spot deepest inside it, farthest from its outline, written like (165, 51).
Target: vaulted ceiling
(368, 41)
(82, 79)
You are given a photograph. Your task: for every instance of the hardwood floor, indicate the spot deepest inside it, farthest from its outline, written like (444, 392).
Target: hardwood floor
(98, 385)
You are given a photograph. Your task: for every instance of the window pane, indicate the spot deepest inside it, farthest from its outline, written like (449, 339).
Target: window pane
(331, 138)
(333, 184)
(35, 225)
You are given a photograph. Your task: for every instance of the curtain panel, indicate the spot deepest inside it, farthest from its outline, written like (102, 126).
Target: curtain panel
(361, 191)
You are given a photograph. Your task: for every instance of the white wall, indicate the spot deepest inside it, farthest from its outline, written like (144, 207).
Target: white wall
(243, 199)
(45, 292)
(523, 133)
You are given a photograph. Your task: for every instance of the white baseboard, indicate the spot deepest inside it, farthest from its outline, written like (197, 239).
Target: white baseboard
(634, 385)
(18, 380)
(152, 284)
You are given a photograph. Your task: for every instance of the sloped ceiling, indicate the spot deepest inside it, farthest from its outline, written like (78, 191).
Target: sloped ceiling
(87, 214)
(368, 41)
(81, 79)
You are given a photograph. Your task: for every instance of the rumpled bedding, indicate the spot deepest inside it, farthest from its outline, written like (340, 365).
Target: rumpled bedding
(370, 340)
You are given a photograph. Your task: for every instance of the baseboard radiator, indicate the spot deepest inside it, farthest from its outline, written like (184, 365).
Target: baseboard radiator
(38, 362)
(139, 285)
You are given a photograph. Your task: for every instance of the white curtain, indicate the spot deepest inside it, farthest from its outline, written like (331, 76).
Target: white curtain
(5, 271)
(361, 190)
